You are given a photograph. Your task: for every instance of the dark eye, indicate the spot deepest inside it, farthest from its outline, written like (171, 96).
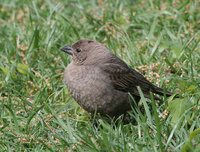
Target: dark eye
(78, 50)
(90, 41)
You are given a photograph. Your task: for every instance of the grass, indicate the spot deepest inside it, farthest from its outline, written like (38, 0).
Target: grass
(160, 39)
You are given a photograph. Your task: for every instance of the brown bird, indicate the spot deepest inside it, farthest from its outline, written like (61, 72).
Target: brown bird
(101, 82)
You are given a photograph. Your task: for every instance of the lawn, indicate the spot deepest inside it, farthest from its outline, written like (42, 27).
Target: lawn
(161, 39)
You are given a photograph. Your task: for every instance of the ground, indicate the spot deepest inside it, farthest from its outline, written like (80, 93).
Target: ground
(158, 38)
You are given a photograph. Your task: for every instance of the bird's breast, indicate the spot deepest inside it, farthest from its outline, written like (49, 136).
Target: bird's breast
(92, 89)
(86, 82)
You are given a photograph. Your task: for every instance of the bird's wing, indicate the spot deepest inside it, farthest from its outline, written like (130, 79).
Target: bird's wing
(126, 79)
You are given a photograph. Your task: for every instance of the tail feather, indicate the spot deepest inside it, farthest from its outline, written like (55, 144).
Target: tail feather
(162, 92)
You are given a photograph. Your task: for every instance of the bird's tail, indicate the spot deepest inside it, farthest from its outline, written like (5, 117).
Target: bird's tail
(162, 92)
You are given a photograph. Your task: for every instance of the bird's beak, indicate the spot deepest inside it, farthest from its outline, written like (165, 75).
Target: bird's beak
(67, 49)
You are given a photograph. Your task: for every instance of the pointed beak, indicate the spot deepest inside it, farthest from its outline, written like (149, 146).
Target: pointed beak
(67, 49)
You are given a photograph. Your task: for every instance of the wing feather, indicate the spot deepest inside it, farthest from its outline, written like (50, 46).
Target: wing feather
(126, 79)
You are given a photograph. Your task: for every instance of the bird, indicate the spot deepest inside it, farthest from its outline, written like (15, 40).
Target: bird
(101, 82)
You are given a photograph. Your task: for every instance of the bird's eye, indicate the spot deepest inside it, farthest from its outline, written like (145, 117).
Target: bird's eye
(78, 50)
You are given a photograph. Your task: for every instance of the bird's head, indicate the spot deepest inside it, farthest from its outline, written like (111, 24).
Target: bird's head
(85, 52)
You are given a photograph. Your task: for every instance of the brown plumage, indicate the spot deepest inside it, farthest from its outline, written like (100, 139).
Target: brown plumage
(100, 82)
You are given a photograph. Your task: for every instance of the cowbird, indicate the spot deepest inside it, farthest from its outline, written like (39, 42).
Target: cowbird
(101, 82)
